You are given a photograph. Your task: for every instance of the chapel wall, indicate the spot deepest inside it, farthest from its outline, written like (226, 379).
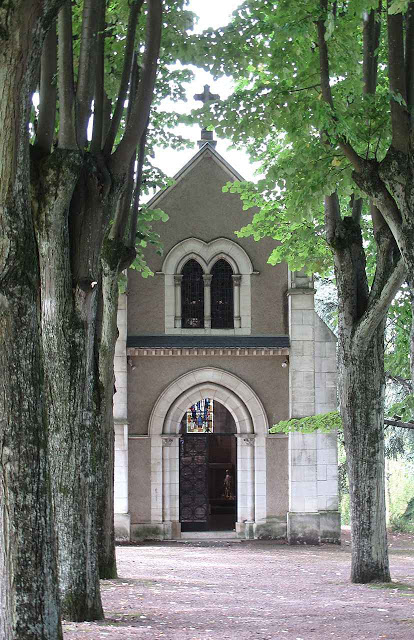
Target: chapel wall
(198, 208)
(152, 374)
(277, 475)
(139, 480)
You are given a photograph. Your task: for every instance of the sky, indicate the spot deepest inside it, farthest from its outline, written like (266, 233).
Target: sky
(211, 13)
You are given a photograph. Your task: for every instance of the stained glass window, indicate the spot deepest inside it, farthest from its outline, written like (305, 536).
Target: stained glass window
(200, 417)
(192, 296)
(222, 313)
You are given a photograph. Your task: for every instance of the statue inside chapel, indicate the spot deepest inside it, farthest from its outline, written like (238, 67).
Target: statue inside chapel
(228, 486)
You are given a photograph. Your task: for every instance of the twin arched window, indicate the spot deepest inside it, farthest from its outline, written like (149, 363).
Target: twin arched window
(200, 307)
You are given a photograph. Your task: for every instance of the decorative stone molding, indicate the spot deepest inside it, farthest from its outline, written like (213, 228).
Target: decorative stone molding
(237, 396)
(213, 351)
(247, 439)
(168, 442)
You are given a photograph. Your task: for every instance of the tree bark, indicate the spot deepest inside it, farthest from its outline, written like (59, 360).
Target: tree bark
(29, 607)
(69, 305)
(361, 393)
(108, 334)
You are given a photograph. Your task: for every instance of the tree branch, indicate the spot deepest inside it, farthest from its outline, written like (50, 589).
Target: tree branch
(332, 216)
(47, 99)
(137, 191)
(66, 135)
(107, 108)
(98, 103)
(406, 384)
(356, 209)
(142, 103)
(126, 73)
(378, 308)
(371, 35)
(387, 253)
(409, 57)
(396, 75)
(119, 227)
(398, 423)
(370, 181)
(346, 148)
(86, 80)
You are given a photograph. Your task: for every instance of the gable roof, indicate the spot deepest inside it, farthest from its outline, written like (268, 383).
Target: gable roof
(206, 151)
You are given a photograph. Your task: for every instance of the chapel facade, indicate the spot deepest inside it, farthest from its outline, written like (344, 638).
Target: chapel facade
(213, 350)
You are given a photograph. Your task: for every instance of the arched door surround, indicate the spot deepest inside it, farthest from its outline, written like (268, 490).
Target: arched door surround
(251, 429)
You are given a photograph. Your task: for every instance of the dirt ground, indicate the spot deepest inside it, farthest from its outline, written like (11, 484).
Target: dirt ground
(251, 590)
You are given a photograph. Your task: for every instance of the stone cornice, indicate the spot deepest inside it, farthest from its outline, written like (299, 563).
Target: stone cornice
(300, 291)
(207, 351)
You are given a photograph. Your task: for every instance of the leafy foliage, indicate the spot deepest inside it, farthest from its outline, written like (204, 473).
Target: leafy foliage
(324, 422)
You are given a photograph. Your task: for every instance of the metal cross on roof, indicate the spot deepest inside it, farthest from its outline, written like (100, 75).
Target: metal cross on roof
(206, 96)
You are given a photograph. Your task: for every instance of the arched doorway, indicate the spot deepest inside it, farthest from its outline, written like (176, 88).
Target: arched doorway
(251, 427)
(207, 468)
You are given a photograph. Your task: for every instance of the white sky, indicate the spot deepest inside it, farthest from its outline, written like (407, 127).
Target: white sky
(211, 13)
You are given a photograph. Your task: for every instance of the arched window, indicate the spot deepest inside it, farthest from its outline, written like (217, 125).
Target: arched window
(222, 311)
(192, 296)
(190, 304)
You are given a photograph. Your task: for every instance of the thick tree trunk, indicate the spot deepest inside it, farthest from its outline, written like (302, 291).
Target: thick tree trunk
(29, 607)
(28, 579)
(107, 340)
(361, 392)
(361, 381)
(68, 326)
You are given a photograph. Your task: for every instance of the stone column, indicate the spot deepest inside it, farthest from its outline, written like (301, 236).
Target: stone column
(121, 508)
(170, 485)
(245, 485)
(327, 450)
(313, 471)
(177, 301)
(236, 300)
(207, 300)
(303, 516)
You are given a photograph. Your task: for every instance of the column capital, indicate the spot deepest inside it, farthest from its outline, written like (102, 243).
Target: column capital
(168, 440)
(177, 279)
(246, 438)
(207, 277)
(236, 280)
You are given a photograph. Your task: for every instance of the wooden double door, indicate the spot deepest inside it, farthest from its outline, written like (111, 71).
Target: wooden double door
(208, 500)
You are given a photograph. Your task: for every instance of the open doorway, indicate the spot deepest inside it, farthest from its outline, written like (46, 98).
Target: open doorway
(208, 468)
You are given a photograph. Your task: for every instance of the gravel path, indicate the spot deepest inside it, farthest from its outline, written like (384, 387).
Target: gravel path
(251, 590)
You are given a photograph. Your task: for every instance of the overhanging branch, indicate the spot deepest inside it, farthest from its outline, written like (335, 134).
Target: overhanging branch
(398, 423)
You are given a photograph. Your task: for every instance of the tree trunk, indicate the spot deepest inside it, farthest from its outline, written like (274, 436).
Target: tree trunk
(29, 607)
(361, 392)
(411, 285)
(68, 326)
(107, 340)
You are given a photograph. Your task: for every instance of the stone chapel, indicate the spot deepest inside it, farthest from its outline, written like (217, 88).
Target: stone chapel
(213, 350)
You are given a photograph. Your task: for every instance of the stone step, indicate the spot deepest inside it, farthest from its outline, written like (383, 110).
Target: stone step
(208, 535)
